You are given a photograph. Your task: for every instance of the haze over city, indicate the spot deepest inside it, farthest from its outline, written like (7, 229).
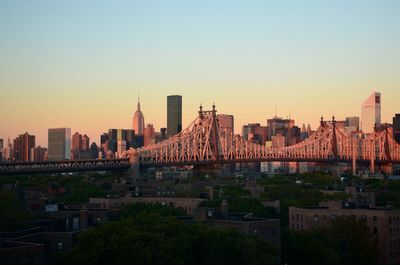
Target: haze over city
(82, 65)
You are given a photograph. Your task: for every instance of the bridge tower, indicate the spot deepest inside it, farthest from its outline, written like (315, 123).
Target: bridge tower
(388, 167)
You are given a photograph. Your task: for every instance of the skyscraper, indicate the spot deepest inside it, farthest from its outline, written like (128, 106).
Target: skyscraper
(284, 127)
(138, 121)
(149, 133)
(352, 122)
(59, 144)
(76, 142)
(371, 113)
(174, 115)
(226, 123)
(396, 127)
(22, 146)
(85, 142)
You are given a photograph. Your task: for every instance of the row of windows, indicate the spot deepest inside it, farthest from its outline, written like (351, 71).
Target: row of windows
(393, 218)
(333, 217)
(394, 229)
(394, 243)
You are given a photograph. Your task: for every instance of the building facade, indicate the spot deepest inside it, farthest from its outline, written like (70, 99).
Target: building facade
(384, 223)
(174, 115)
(149, 134)
(59, 144)
(226, 123)
(22, 147)
(371, 113)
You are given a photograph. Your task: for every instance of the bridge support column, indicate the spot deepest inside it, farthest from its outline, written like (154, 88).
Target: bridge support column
(134, 170)
(354, 158)
(335, 169)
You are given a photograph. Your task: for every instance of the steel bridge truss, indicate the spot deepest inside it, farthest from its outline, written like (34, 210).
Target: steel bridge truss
(17, 168)
(204, 142)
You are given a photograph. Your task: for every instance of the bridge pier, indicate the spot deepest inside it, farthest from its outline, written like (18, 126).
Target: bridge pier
(134, 171)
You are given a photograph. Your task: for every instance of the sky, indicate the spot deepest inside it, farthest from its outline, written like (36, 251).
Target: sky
(82, 64)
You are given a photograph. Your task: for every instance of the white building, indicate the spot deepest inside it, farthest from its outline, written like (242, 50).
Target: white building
(371, 113)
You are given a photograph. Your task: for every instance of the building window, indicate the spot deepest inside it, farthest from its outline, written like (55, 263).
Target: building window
(363, 218)
(375, 230)
(333, 217)
(60, 245)
(375, 218)
(315, 218)
(297, 216)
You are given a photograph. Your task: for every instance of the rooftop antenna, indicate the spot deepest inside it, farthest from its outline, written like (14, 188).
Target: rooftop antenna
(276, 110)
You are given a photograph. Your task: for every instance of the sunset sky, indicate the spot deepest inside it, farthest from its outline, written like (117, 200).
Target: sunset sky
(82, 64)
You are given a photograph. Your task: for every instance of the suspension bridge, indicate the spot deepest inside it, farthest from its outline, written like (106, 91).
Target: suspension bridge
(203, 142)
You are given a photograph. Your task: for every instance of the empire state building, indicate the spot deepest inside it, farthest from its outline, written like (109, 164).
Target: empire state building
(138, 121)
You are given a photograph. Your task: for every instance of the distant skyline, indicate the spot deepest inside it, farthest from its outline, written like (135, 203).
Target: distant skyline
(82, 64)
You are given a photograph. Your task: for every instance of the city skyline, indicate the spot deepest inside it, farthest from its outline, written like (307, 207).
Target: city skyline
(64, 65)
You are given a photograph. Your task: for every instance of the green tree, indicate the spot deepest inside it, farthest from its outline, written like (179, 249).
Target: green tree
(153, 239)
(12, 215)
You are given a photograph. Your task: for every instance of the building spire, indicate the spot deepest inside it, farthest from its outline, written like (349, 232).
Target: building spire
(138, 103)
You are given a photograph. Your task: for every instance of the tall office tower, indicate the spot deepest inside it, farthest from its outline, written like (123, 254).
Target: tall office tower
(1, 144)
(149, 133)
(174, 115)
(85, 142)
(59, 144)
(352, 122)
(396, 127)
(284, 127)
(76, 142)
(371, 113)
(255, 133)
(22, 147)
(138, 121)
(130, 138)
(226, 123)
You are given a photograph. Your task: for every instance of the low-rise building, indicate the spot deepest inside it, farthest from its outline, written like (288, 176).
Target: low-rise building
(383, 222)
(187, 204)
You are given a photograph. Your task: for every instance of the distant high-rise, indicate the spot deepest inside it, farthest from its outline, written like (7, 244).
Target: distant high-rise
(59, 144)
(115, 135)
(22, 147)
(371, 113)
(352, 122)
(149, 133)
(396, 127)
(255, 133)
(283, 127)
(226, 123)
(174, 115)
(39, 154)
(138, 121)
(85, 142)
(76, 142)
(1, 144)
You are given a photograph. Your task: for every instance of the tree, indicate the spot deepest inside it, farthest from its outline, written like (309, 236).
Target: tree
(12, 216)
(347, 242)
(153, 239)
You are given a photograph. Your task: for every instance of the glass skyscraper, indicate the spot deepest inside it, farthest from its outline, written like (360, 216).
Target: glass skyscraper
(174, 115)
(59, 144)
